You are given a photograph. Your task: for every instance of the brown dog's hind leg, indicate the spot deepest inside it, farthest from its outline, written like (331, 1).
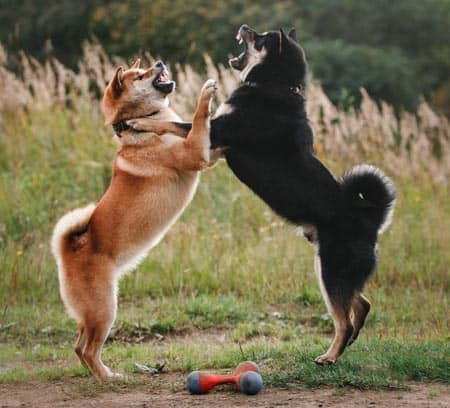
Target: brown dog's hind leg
(79, 344)
(95, 338)
(360, 308)
(98, 322)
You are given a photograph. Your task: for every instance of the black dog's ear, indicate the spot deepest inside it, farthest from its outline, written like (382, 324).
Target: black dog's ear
(284, 41)
(292, 34)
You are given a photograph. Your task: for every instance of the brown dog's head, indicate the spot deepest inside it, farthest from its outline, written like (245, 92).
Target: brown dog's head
(136, 92)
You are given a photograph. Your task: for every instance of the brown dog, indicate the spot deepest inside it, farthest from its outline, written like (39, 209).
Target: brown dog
(154, 178)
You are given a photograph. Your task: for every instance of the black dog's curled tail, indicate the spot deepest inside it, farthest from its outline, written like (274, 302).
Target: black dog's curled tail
(371, 193)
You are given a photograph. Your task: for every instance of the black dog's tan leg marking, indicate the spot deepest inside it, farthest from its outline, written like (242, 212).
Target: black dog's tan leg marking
(161, 126)
(340, 312)
(339, 302)
(360, 308)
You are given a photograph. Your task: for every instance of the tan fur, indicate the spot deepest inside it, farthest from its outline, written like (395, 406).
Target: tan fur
(154, 178)
(348, 314)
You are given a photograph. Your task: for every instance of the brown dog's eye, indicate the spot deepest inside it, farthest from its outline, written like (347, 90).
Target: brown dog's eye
(139, 77)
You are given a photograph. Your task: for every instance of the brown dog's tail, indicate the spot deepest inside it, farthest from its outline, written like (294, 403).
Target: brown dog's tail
(74, 221)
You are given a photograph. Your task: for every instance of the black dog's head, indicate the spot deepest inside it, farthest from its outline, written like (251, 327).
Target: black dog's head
(270, 57)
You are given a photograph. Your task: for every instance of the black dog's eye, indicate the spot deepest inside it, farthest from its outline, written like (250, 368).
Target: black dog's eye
(139, 77)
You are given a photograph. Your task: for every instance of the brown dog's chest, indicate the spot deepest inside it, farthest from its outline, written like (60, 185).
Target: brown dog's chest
(140, 205)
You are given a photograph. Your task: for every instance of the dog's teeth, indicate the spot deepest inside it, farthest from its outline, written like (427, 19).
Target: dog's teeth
(241, 41)
(164, 77)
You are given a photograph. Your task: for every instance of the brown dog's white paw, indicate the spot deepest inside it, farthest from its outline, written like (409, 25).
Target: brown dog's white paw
(325, 360)
(117, 376)
(209, 88)
(111, 376)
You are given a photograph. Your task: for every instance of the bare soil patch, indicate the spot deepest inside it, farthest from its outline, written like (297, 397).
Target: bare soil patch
(167, 390)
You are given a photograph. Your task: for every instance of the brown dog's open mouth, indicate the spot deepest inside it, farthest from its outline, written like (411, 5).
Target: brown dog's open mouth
(162, 83)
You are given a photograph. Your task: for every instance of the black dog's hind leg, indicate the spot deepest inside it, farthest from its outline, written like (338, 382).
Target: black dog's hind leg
(343, 268)
(360, 310)
(339, 298)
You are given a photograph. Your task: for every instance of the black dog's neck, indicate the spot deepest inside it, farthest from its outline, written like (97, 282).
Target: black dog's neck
(298, 90)
(122, 126)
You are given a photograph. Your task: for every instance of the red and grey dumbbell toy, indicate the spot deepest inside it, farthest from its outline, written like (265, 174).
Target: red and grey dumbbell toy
(246, 378)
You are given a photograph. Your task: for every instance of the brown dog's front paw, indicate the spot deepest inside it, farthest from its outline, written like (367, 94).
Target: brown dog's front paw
(325, 360)
(209, 88)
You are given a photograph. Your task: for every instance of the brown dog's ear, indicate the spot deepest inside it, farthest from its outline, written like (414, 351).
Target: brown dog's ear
(292, 34)
(137, 64)
(116, 83)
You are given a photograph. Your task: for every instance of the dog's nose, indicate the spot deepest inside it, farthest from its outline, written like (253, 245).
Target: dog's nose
(160, 64)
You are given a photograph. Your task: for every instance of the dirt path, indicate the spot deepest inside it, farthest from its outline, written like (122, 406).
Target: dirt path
(168, 391)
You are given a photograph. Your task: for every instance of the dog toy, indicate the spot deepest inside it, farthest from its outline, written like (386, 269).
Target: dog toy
(245, 377)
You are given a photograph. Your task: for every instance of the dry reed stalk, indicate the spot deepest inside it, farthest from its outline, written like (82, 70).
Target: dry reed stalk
(407, 145)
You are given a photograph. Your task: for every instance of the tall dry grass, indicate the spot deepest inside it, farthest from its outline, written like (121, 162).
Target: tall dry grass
(413, 145)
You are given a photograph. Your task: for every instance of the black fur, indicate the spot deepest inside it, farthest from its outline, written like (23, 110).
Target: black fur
(270, 149)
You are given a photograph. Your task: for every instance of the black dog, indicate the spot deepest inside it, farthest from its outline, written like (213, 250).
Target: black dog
(269, 147)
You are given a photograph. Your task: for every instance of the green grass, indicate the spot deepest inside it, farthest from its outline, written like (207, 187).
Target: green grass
(370, 364)
(230, 280)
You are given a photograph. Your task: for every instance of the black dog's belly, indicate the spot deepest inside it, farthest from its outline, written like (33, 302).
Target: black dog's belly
(285, 184)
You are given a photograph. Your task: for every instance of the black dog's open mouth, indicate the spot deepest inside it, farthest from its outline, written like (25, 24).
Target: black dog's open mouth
(162, 83)
(244, 35)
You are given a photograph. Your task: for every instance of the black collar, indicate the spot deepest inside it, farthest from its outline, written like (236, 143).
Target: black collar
(295, 90)
(122, 125)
